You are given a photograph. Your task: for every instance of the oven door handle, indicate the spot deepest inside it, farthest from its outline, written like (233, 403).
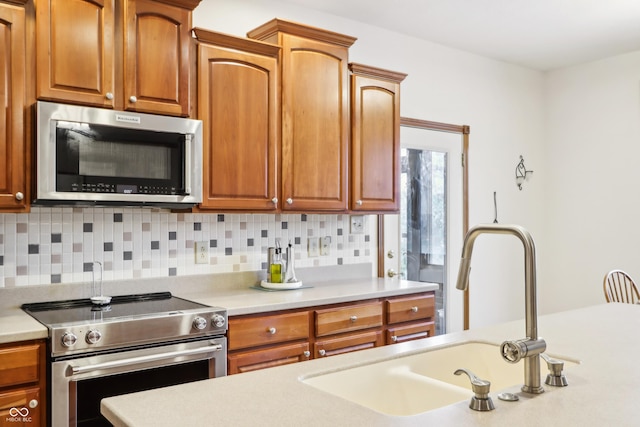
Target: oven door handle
(76, 370)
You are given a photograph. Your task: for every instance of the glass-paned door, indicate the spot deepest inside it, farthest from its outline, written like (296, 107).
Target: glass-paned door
(428, 230)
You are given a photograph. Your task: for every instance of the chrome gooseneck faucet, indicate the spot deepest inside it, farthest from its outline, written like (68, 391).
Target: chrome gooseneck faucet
(530, 347)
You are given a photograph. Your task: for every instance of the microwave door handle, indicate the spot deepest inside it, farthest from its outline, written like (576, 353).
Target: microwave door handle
(188, 152)
(77, 370)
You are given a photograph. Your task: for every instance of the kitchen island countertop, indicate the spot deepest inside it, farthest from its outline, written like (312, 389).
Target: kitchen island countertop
(603, 389)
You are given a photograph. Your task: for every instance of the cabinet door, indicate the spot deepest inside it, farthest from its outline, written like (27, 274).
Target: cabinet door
(410, 332)
(315, 125)
(75, 42)
(348, 318)
(276, 356)
(21, 408)
(13, 147)
(410, 308)
(263, 330)
(157, 44)
(375, 143)
(347, 343)
(19, 364)
(238, 104)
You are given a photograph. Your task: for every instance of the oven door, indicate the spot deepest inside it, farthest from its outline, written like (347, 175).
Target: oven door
(78, 385)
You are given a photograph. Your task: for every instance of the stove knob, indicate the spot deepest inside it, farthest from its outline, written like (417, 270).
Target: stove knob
(68, 339)
(93, 336)
(199, 323)
(218, 320)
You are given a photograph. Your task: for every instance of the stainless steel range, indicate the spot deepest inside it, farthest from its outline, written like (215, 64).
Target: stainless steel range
(134, 343)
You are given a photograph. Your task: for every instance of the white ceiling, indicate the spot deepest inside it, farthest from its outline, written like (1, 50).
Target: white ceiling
(539, 34)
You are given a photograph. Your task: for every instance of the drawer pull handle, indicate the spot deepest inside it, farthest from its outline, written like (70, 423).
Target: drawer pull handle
(414, 309)
(353, 318)
(322, 352)
(272, 331)
(394, 338)
(307, 354)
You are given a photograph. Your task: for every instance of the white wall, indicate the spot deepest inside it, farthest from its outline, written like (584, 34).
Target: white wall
(592, 197)
(502, 103)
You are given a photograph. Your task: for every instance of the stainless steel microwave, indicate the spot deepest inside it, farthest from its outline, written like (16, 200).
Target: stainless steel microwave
(95, 156)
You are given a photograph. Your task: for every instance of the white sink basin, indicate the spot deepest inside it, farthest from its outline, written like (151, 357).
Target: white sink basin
(421, 382)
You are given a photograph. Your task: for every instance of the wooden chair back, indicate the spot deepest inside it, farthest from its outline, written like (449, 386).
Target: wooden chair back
(620, 287)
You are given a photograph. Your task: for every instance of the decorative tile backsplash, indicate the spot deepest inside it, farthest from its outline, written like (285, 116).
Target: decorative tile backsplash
(60, 245)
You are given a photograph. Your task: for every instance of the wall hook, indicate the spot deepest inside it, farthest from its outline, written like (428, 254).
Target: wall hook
(522, 173)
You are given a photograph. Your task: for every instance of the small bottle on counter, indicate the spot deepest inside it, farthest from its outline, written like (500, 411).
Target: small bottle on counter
(275, 268)
(271, 254)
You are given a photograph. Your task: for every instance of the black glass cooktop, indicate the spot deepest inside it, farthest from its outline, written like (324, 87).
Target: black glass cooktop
(126, 306)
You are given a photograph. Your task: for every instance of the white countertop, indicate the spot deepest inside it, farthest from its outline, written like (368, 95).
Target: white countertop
(16, 325)
(604, 389)
(249, 300)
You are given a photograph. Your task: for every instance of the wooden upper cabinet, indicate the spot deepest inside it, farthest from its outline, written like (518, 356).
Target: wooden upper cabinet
(157, 50)
(238, 103)
(14, 150)
(315, 115)
(375, 140)
(132, 55)
(75, 42)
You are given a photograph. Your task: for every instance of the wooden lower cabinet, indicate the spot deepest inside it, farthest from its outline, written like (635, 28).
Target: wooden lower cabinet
(409, 332)
(264, 340)
(348, 318)
(23, 384)
(255, 331)
(246, 361)
(347, 343)
(21, 408)
(409, 318)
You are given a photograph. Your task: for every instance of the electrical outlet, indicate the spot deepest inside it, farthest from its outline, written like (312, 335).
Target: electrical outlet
(312, 247)
(202, 252)
(325, 245)
(357, 224)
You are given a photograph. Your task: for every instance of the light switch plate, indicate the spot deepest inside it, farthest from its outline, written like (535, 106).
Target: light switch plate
(202, 252)
(357, 224)
(313, 249)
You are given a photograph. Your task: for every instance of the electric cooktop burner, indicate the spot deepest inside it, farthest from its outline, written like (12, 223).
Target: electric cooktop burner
(129, 306)
(129, 320)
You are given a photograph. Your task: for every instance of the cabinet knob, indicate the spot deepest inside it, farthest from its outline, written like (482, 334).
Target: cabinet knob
(322, 353)
(19, 196)
(290, 200)
(414, 309)
(353, 318)
(394, 338)
(109, 96)
(359, 202)
(133, 99)
(275, 200)
(307, 354)
(33, 403)
(272, 331)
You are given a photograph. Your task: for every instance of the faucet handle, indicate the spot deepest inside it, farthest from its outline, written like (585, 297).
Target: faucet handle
(555, 376)
(481, 400)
